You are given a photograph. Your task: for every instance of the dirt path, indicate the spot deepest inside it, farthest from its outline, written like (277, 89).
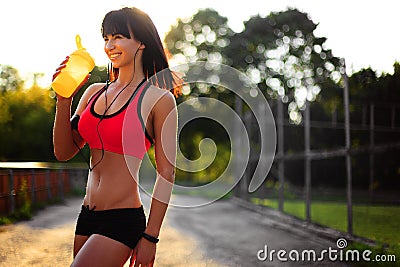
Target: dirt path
(46, 240)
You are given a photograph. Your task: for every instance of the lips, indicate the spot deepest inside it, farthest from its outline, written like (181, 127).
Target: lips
(114, 55)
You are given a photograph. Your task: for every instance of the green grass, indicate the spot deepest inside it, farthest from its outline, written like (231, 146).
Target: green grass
(379, 223)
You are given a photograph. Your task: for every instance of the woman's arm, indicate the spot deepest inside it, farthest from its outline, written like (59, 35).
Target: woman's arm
(63, 136)
(165, 134)
(165, 122)
(64, 147)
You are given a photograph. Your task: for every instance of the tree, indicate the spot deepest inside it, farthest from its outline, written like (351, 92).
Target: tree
(26, 128)
(9, 79)
(27, 115)
(282, 55)
(200, 37)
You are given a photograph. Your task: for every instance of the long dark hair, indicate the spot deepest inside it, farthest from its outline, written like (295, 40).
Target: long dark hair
(155, 62)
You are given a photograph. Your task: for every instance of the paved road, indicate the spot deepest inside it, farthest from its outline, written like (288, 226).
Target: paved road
(234, 235)
(219, 234)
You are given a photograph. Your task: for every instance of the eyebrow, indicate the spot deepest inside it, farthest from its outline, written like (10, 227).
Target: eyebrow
(112, 34)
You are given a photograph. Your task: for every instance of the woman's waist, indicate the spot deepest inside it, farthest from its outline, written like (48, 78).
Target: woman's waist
(105, 200)
(108, 163)
(121, 176)
(117, 191)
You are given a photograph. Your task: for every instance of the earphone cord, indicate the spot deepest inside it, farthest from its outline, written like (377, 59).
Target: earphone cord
(101, 119)
(108, 107)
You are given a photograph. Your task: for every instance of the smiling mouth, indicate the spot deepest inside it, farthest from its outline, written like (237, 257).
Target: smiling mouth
(114, 56)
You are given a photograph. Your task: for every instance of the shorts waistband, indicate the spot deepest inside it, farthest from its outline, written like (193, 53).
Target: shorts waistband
(112, 212)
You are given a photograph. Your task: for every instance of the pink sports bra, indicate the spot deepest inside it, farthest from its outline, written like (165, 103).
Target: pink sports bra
(122, 132)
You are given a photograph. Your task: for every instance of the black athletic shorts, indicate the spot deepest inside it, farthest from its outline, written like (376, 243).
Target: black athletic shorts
(123, 225)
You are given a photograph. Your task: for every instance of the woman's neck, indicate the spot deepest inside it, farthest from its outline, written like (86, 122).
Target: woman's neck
(130, 76)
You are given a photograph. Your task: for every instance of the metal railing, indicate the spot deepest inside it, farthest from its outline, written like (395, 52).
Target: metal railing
(37, 182)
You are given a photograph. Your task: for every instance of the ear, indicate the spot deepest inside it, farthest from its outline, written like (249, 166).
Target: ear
(142, 45)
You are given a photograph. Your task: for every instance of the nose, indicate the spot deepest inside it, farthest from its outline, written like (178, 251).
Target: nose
(109, 45)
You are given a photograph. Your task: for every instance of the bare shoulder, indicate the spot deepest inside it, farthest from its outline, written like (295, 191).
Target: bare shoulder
(87, 95)
(92, 89)
(160, 97)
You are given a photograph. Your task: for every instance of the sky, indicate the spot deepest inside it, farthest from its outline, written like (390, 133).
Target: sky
(37, 35)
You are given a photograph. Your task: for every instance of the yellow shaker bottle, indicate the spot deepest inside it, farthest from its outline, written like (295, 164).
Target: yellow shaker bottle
(79, 64)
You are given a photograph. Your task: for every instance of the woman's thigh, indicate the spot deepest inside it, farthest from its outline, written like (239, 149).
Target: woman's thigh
(101, 251)
(79, 241)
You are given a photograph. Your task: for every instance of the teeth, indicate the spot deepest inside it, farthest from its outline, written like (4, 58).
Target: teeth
(112, 56)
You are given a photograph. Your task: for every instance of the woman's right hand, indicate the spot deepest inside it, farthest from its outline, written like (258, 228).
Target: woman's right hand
(62, 65)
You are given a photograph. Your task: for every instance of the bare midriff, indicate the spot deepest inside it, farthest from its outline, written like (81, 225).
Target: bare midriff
(113, 183)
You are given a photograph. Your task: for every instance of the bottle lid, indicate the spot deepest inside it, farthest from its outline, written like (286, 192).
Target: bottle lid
(78, 42)
(81, 51)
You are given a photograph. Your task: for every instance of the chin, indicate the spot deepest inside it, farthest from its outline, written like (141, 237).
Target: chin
(115, 65)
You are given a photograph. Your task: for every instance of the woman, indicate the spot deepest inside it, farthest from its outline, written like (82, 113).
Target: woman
(120, 120)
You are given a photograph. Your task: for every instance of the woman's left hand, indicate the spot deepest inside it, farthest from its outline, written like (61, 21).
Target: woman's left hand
(144, 254)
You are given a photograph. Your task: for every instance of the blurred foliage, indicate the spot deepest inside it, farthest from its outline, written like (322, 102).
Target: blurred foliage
(290, 64)
(190, 137)
(283, 56)
(26, 118)
(200, 37)
(279, 53)
(9, 79)
(25, 211)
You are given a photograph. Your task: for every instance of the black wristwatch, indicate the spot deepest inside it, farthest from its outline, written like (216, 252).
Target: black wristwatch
(150, 238)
